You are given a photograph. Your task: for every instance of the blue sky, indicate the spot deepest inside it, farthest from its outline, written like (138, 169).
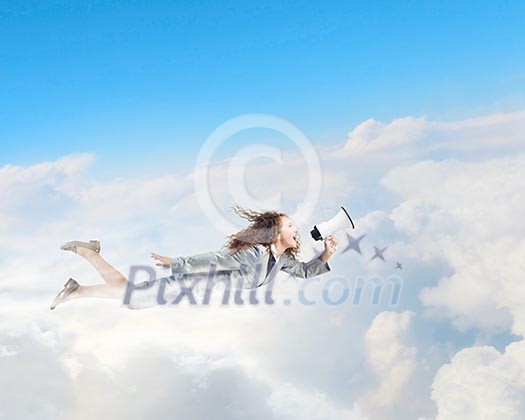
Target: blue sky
(139, 82)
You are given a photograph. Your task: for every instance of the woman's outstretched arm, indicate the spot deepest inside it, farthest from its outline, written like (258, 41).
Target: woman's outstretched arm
(305, 270)
(314, 267)
(223, 260)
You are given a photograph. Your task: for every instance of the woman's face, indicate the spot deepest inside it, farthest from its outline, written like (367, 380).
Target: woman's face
(289, 233)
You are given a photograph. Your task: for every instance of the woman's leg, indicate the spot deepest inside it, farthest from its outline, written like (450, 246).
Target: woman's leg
(113, 277)
(115, 281)
(97, 291)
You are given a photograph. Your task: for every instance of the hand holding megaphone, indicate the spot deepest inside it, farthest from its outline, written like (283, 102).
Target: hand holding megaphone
(330, 245)
(340, 221)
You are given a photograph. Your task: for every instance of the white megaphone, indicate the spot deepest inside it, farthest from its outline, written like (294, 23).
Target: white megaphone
(340, 221)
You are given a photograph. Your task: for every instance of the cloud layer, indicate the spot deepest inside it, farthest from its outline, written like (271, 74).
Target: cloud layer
(444, 196)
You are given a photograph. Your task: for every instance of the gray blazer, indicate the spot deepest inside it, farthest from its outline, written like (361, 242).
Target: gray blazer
(249, 265)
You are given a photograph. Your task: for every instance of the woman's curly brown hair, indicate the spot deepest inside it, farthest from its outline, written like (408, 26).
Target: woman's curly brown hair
(263, 229)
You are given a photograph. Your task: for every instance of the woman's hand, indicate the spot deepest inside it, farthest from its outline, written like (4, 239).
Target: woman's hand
(330, 246)
(163, 261)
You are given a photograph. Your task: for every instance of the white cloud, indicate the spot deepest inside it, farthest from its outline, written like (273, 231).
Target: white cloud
(417, 136)
(392, 360)
(293, 362)
(34, 384)
(291, 404)
(482, 384)
(373, 136)
(472, 212)
(77, 373)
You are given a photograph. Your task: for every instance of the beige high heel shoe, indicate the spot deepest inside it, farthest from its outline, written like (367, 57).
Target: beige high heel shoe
(70, 286)
(72, 245)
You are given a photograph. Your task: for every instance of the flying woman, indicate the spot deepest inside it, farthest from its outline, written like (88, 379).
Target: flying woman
(269, 244)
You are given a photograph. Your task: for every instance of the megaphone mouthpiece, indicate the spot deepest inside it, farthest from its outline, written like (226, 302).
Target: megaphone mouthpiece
(341, 220)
